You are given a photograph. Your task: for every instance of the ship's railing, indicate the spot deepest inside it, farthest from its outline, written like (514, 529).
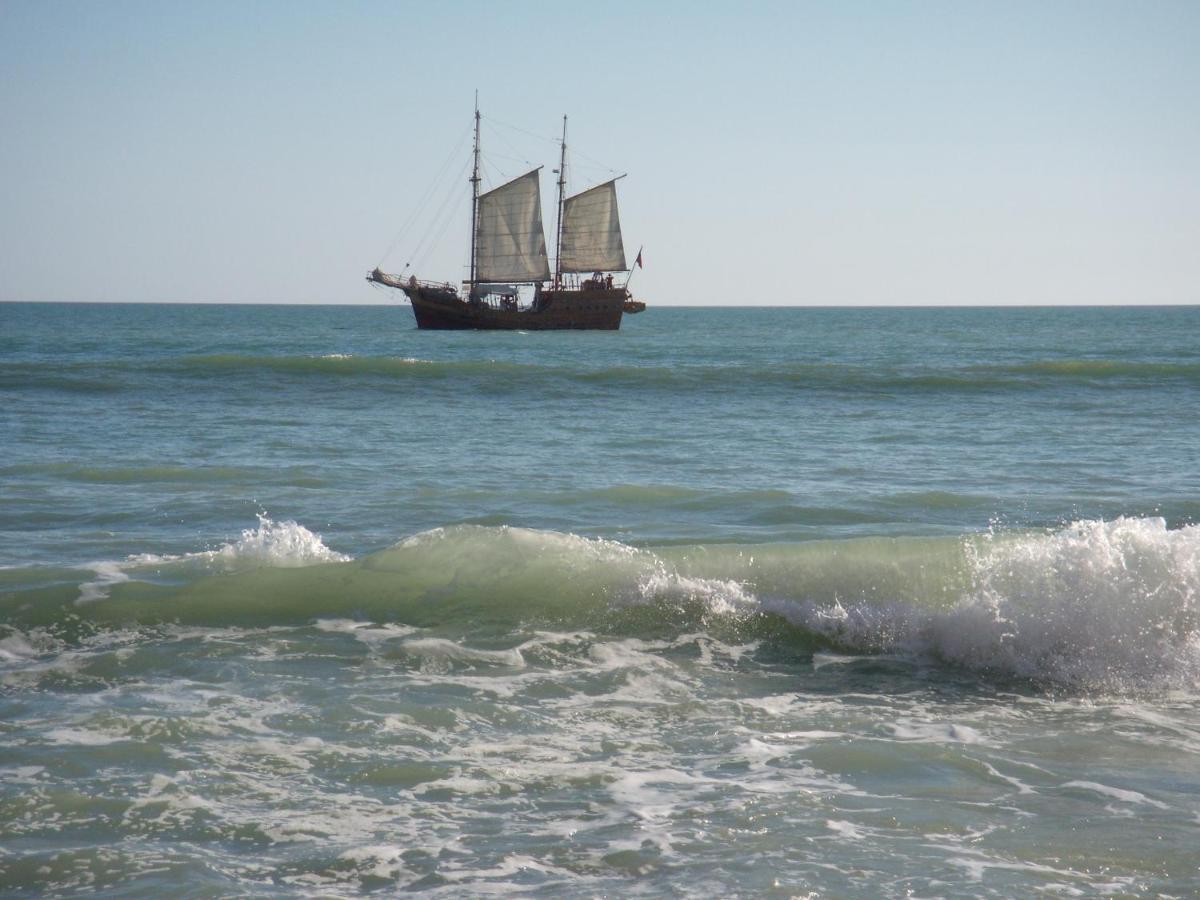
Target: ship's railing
(501, 302)
(397, 281)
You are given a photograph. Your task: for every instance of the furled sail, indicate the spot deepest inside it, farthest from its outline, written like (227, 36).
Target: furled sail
(510, 244)
(591, 232)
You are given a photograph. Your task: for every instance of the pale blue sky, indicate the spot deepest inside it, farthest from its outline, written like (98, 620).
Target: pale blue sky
(807, 153)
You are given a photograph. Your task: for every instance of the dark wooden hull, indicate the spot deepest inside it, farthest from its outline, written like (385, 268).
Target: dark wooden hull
(554, 310)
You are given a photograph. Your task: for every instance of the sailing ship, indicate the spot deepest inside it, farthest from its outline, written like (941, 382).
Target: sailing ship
(511, 285)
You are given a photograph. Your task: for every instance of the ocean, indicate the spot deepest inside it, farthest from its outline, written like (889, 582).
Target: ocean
(301, 601)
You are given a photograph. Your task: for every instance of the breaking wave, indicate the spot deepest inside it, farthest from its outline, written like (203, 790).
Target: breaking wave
(272, 544)
(1096, 605)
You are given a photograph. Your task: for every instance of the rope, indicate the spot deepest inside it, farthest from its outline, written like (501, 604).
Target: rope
(492, 132)
(436, 242)
(595, 162)
(425, 198)
(489, 164)
(540, 137)
(486, 156)
(423, 245)
(595, 166)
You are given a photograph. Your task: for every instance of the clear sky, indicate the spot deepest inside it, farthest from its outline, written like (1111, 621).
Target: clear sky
(778, 153)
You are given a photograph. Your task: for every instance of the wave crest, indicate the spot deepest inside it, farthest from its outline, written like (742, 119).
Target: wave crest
(286, 544)
(1097, 605)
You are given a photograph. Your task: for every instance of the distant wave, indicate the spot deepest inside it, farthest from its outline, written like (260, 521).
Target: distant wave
(1108, 368)
(332, 363)
(1104, 605)
(795, 374)
(296, 476)
(500, 375)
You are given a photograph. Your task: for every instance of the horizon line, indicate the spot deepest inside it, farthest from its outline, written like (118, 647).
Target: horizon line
(400, 303)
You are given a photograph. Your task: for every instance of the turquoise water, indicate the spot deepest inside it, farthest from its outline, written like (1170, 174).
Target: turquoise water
(888, 602)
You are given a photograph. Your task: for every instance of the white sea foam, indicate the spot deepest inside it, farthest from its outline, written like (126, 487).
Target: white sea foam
(440, 649)
(373, 635)
(649, 795)
(279, 544)
(1022, 787)
(16, 648)
(80, 737)
(285, 544)
(721, 596)
(107, 575)
(1121, 794)
(821, 660)
(844, 829)
(936, 733)
(1103, 604)
(1093, 599)
(21, 774)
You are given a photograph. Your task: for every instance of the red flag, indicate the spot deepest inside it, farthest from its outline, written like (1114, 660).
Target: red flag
(639, 259)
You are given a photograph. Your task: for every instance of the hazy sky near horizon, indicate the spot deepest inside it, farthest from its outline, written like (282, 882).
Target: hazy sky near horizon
(778, 153)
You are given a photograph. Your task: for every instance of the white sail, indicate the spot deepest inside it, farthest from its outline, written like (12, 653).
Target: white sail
(591, 232)
(510, 244)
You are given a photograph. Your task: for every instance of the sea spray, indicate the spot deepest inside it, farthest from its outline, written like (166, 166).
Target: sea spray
(280, 544)
(272, 544)
(1098, 605)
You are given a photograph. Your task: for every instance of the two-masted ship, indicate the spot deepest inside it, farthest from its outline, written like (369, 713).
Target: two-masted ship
(511, 285)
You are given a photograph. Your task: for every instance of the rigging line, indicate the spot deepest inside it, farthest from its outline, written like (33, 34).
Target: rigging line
(503, 175)
(421, 204)
(427, 196)
(552, 140)
(494, 133)
(452, 195)
(593, 169)
(486, 156)
(441, 233)
(418, 252)
(437, 234)
(595, 162)
(485, 180)
(540, 137)
(438, 183)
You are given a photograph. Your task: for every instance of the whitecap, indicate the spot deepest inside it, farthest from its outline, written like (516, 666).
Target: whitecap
(285, 544)
(936, 732)
(442, 649)
(1121, 794)
(843, 829)
(1109, 605)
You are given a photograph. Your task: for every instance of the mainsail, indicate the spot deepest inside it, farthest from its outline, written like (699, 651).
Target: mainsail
(591, 232)
(510, 244)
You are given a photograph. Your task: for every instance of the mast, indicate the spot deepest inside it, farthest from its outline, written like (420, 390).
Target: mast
(475, 192)
(562, 186)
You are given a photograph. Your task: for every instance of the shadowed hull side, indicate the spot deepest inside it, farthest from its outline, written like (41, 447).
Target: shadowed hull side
(598, 310)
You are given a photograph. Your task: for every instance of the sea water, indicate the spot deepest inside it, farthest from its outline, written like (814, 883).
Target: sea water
(732, 602)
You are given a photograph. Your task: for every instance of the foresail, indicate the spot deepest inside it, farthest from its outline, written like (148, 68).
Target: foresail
(510, 243)
(591, 232)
